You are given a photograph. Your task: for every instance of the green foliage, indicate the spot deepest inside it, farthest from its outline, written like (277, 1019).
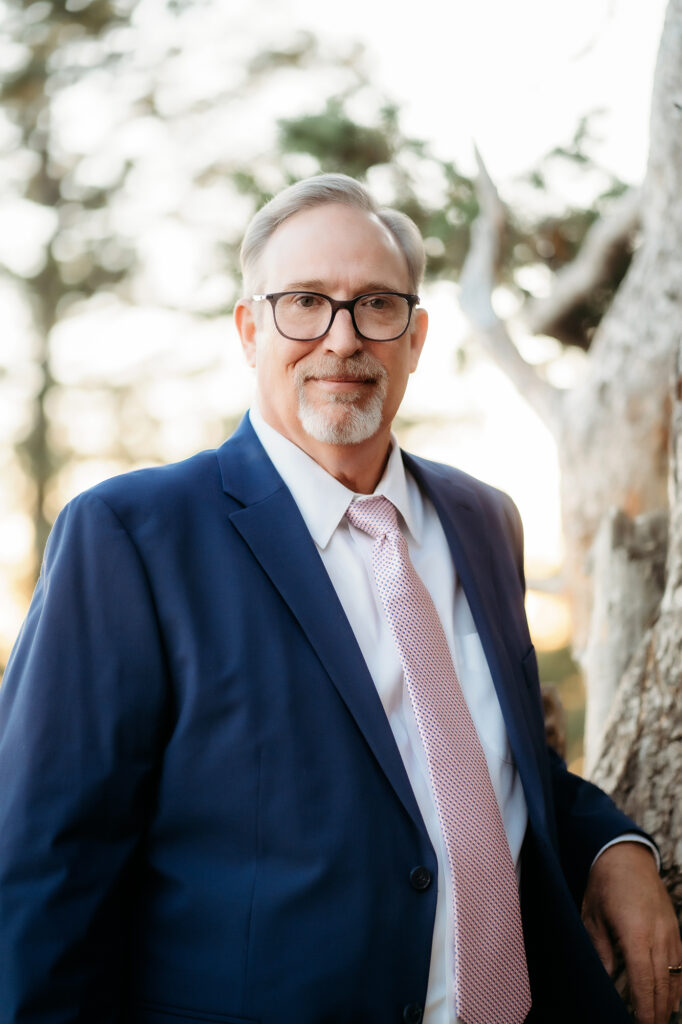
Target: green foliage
(335, 140)
(558, 669)
(556, 664)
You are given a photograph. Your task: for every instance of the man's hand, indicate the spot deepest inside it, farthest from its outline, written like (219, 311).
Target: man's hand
(626, 906)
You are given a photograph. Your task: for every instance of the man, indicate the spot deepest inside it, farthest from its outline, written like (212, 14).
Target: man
(233, 779)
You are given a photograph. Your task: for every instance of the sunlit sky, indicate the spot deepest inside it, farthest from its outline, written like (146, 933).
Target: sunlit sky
(513, 76)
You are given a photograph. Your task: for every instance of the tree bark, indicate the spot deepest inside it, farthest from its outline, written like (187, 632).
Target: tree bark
(640, 759)
(614, 443)
(642, 435)
(628, 568)
(640, 347)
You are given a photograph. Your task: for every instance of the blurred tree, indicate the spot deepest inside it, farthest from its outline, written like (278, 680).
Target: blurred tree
(49, 48)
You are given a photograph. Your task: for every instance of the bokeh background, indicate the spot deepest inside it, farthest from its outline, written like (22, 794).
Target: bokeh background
(136, 140)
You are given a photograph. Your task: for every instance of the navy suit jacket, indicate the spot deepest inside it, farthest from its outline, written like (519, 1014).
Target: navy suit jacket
(203, 813)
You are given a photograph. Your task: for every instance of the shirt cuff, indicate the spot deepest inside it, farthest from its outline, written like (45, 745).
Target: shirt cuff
(630, 837)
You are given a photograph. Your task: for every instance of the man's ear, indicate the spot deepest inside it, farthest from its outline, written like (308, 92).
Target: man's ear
(245, 322)
(418, 336)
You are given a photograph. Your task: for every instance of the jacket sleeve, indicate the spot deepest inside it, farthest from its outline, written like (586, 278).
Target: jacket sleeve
(586, 818)
(82, 710)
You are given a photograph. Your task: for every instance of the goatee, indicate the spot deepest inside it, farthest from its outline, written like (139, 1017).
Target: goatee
(348, 417)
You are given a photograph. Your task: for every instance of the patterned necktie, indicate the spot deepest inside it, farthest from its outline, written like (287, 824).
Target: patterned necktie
(491, 978)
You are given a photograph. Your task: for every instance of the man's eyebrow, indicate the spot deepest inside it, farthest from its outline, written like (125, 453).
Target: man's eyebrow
(320, 286)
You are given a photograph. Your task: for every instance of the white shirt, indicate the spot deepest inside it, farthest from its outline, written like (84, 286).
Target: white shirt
(346, 554)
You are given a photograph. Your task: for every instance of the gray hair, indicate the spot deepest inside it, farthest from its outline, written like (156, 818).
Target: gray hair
(315, 191)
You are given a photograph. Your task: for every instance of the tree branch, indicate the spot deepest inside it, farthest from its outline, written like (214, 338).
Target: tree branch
(574, 283)
(477, 282)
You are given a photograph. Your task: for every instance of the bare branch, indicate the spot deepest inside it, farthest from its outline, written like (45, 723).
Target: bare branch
(574, 283)
(476, 285)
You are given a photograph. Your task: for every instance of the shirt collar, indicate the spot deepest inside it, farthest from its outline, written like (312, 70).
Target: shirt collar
(322, 500)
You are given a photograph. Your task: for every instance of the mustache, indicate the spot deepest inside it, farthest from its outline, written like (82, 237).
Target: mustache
(362, 367)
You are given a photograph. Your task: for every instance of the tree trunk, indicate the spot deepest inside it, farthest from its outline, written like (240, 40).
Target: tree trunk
(613, 444)
(622, 415)
(641, 750)
(639, 760)
(628, 568)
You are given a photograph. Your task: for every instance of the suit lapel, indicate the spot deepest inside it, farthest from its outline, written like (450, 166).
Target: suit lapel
(472, 550)
(271, 524)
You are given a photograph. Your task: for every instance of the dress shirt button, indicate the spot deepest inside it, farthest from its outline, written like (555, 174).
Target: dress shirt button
(420, 878)
(413, 1013)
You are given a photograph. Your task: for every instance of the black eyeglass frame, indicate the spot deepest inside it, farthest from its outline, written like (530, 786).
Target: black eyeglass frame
(336, 305)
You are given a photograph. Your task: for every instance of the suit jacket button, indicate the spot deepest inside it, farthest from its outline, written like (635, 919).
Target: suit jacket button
(420, 878)
(413, 1013)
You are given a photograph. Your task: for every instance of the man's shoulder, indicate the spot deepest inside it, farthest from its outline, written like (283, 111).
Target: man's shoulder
(160, 495)
(173, 478)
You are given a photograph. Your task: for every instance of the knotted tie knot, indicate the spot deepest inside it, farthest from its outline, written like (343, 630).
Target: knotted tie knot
(376, 516)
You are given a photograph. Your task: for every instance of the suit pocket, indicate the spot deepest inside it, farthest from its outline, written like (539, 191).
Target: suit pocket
(157, 1013)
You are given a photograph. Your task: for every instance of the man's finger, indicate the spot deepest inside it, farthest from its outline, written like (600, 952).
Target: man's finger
(662, 997)
(641, 977)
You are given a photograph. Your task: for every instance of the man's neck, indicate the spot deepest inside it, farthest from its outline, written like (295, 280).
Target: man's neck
(354, 466)
(359, 467)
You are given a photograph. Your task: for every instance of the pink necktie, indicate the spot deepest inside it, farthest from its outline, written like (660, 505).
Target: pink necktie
(491, 978)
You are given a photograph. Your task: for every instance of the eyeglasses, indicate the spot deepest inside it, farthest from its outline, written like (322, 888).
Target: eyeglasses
(308, 316)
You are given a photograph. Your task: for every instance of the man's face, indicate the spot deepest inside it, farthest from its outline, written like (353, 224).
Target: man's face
(339, 390)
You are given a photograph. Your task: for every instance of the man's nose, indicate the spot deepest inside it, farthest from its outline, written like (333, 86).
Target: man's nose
(341, 337)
